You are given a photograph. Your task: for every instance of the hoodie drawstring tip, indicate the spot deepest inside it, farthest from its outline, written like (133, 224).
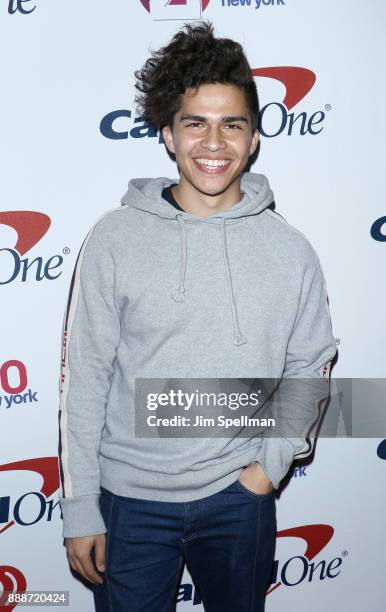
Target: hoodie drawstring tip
(177, 296)
(239, 339)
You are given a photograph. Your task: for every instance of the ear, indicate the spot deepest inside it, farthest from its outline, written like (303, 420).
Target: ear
(255, 140)
(168, 138)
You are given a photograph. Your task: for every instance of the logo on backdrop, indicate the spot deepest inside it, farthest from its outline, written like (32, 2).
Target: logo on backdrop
(275, 117)
(376, 229)
(381, 450)
(17, 6)
(163, 10)
(32, 506)
(15, 394)
(12, 580)
(30, 227)
(252, 3)
(297, 82)
(299, 472)
(302, 568)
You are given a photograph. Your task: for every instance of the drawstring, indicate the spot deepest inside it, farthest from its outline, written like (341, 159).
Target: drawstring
(178, 294)
(238, 338)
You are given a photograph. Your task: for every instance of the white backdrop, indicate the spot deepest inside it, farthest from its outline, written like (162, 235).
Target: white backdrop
(65, 67)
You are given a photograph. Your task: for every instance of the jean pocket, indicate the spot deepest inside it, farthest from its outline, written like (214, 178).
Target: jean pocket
(244, 489)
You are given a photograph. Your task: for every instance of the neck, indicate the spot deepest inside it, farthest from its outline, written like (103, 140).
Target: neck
(202, 204)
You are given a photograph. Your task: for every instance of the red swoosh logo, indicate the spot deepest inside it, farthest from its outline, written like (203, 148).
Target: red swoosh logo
(29, 225)
(7, 572)
(47, 467)
(316, 538)
(297, 81)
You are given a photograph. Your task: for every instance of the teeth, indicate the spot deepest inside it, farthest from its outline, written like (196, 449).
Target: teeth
(213, 162)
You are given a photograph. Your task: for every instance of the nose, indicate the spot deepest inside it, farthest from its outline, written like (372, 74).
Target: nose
(213, 139)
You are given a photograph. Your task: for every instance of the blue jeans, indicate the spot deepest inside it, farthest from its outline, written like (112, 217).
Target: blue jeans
(227, 541)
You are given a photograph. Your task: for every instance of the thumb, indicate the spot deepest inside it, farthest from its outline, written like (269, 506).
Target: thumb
(100, 545)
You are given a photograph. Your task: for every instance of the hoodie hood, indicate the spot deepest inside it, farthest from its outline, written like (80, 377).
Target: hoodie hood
(146, 194)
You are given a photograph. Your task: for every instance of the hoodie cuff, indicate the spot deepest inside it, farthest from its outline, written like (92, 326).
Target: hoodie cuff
(275, 457)
(81, 516)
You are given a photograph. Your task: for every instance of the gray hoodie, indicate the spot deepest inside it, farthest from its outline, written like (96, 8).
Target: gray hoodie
(160, 293)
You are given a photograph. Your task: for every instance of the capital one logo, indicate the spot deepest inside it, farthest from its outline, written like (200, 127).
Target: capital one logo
(381, 450)
(175, 9)
(276, 118)
(378, 229)
(302, 567)
(30, 227)
(298, 82)
(19, 512)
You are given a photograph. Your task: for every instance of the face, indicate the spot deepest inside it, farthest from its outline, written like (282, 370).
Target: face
(212, 137)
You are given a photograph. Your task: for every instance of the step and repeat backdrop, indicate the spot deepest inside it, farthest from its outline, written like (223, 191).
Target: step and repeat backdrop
(71, 138)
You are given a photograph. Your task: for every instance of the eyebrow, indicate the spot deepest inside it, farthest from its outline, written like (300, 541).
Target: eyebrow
(227, 119)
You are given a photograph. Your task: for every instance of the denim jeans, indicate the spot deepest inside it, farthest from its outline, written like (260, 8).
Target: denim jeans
(227, 541)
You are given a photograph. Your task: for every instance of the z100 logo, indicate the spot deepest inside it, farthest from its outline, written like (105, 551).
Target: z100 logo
(16, 394)
(297, 82)
(175, 9)
(30, 227)
(257, 4)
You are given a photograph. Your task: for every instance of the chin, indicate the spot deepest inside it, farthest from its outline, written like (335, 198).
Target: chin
(211, 190)
(211, 185)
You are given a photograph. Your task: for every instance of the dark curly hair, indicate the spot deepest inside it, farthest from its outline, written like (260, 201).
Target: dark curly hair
(193, 57)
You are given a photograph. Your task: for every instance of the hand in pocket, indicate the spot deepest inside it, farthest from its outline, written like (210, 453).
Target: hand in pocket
(255, 479)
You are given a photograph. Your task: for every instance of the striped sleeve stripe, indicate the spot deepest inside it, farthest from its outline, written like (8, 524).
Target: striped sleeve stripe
(64, 380)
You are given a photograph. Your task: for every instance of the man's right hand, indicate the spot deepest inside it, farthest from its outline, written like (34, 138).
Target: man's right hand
(79, 556)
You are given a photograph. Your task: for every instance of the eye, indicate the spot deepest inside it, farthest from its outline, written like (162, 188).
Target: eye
(233, 126)
(195, 123)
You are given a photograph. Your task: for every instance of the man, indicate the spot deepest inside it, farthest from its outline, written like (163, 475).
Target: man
(188, 279)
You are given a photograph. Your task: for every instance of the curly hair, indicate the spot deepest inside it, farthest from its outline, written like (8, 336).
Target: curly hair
(192, 58)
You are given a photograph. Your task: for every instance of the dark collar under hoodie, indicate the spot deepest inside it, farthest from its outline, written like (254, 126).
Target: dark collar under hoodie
(159, 293)
(167, 194)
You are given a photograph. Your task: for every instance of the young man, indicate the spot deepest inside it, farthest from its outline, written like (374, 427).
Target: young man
(191, 278)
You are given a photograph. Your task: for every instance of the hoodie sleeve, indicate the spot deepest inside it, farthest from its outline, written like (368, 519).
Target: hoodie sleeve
(302, 396)
(91, 333)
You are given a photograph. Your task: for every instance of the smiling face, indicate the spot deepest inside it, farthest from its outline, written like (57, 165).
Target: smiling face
(212, 139)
